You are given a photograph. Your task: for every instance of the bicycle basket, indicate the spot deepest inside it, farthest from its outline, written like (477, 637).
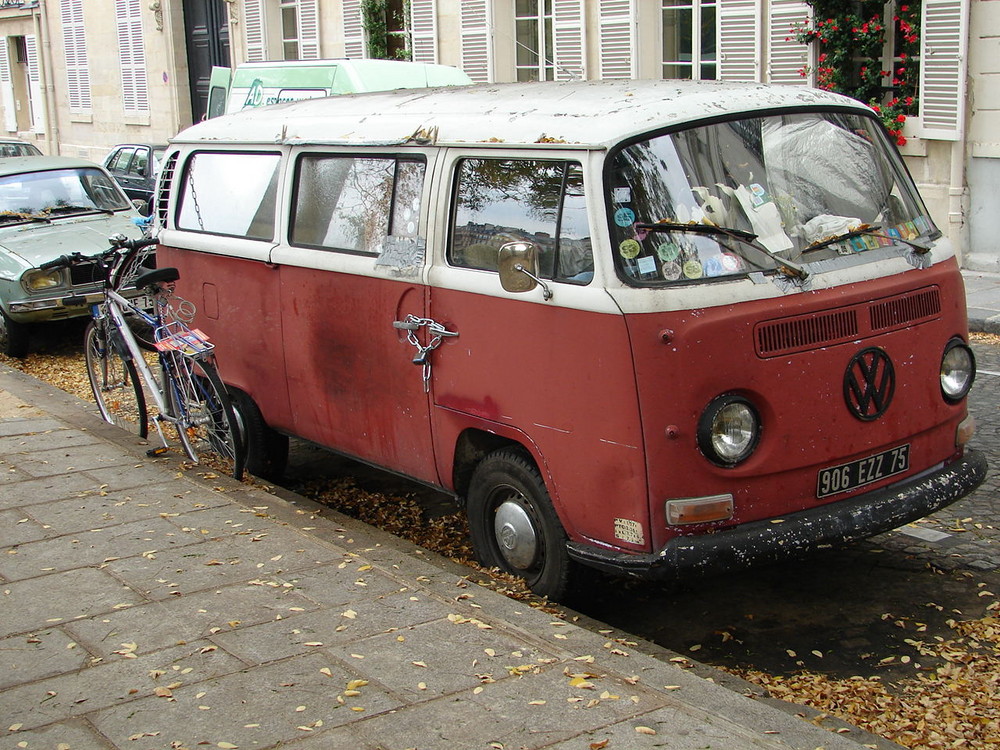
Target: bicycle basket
(177, 337)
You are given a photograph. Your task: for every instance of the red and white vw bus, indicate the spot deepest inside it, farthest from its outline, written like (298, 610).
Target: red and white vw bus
(657, 328)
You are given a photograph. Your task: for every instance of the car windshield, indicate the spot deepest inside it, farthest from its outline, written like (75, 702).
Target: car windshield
(57, 193)
(803, 191)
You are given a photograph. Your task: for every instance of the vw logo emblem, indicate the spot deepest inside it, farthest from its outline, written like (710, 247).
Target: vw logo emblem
(869, 383)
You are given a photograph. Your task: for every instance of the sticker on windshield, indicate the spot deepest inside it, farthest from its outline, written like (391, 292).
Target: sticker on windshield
(668, 251)
(671, 271)
(629, 249)
(647, 264)
(624, 217)
(693, 269)
(621, 195)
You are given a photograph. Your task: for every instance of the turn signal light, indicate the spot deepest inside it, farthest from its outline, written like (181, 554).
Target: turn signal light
(699, 509)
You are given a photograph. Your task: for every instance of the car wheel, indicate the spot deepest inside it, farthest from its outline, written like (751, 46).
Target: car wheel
(13, 337)
(514, 526)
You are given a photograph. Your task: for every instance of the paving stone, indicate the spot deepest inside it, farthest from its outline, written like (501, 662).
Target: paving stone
(162, 624)
(215, 562)
(44, 601)
(10, 427)
(44, 653)
(347, 581)
(251, 709)
(18, 528)
(124, 681)
(451, 722)
(93, 547)
(27, 491)
(74, 734)
(65, 460)
(45, 440)
(348, 623)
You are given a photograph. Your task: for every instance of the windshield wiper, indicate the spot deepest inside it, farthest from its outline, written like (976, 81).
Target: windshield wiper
(8, 218)
(869, 231)
(67, 208)
(784, 266)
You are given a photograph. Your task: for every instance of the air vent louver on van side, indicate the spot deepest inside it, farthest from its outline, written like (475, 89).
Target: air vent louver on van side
(163, 190)
(828, 327)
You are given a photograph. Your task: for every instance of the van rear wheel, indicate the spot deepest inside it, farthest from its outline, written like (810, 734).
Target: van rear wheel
(514, 526)
(267, 449)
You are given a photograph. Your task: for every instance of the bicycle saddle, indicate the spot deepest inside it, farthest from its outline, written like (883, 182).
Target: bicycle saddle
(156, 276)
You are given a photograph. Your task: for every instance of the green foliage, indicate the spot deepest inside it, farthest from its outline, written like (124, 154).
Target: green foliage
(851, 37)
(377, 18)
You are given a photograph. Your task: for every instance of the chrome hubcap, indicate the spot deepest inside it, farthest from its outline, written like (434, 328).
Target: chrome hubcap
(515, 535)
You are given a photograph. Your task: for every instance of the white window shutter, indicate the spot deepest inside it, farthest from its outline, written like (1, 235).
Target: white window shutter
(308, 17)
(354, 29)
(569, 40)
(423, 31)
(7, 88)
(75, 54)
(944, 28)
(477, 40)
(132, 56)
(787, 58)
(34, 85)
(739, 40)
(253, 30)
(618, 58)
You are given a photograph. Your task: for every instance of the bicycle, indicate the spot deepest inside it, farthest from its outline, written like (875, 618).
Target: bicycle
(189, 393)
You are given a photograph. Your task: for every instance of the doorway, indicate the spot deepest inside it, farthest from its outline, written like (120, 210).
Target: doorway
(206, 30)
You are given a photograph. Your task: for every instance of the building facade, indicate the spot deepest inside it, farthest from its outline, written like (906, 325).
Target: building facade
(78, 76)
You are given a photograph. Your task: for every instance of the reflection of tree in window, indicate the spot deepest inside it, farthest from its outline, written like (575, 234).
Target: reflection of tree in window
(540, 202)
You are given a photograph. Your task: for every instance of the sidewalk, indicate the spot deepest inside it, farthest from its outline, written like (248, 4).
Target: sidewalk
(982, 294)
(142, 606)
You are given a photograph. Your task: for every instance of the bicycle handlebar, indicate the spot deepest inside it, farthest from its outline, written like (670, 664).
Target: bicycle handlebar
(117, 242)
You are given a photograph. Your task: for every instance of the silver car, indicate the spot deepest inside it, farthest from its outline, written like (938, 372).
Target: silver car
(52, 206)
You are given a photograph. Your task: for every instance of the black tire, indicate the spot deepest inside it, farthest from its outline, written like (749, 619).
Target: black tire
(206, 422)
(114, 382)
(514, 526)
(13, 337)
(267, 450)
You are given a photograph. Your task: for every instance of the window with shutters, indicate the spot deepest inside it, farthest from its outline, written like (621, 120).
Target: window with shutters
(132, 56)
(690, 39)
(533, 31)
(75, 54)
(289, 29)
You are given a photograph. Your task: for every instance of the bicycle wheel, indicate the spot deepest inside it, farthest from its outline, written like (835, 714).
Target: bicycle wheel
(206, 422)
(114, 381)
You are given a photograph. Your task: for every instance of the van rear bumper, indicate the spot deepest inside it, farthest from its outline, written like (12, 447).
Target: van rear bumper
(776, 539)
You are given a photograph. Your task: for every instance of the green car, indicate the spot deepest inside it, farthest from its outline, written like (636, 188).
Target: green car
(52, 206)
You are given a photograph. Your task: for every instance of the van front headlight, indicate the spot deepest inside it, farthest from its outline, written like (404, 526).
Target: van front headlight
(39, 281)
(958, 370)
(728, 430)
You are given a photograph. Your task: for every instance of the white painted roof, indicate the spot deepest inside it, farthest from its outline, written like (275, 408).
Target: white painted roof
(589, 114)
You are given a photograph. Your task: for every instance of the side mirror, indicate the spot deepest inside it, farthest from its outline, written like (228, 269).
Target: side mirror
(141, 206)
(518, 268)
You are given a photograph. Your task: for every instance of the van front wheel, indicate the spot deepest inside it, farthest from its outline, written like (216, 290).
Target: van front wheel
(513, 525)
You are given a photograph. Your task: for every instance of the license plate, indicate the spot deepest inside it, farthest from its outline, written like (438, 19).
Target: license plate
(837, 479)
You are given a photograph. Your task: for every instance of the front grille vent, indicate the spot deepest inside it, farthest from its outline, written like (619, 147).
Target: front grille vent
(906, 309)
(775, 338)
(795, 334)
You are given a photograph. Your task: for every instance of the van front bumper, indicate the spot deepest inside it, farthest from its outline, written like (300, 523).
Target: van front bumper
(775, 539)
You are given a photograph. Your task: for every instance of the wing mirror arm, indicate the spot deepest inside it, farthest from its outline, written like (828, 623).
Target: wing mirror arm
(546, 292)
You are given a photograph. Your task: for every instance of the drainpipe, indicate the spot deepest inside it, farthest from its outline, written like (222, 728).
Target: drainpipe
(958, 229)
(41, 22)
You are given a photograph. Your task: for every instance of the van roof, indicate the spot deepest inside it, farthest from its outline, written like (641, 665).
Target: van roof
(581, 114)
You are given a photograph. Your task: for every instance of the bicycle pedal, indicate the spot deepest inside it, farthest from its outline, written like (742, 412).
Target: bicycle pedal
(153, 452)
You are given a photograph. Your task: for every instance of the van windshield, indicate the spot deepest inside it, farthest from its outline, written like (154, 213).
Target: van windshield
(806, 191)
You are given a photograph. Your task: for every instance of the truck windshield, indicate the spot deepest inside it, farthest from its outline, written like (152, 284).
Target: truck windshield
(805, 191)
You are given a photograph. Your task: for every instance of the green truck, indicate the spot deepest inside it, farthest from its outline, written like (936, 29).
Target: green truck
(258, 84)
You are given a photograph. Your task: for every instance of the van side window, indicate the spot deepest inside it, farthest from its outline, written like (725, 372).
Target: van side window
(543, 202)
(352, 204)
(230, 192)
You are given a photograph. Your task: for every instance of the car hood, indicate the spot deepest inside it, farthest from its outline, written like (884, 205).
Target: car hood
(29, 245)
